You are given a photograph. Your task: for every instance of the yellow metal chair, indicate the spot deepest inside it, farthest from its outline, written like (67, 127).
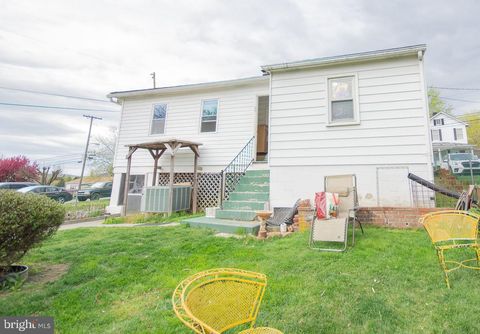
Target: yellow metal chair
(453, 229)
(216, 300)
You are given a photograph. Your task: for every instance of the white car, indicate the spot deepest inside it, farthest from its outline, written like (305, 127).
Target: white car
(459, 163)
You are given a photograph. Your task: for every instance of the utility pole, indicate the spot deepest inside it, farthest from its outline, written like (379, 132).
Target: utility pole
(153, 77)
(86, 148)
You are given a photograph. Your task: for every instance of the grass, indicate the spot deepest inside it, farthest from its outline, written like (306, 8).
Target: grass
(72, 205)
(151, 218)
(121, 281)
(85, 209)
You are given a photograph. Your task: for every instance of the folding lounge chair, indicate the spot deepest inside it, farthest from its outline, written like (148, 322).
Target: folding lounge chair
(336, 229)
(283, 215)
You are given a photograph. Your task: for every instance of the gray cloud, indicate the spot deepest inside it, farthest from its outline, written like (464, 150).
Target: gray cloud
(89, 48)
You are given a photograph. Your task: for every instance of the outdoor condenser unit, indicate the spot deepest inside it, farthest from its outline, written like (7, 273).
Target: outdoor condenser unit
(155, 198)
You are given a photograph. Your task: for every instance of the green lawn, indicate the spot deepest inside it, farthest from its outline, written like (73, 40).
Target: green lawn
(121, 281)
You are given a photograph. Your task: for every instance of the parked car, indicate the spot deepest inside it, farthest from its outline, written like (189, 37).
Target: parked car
(96, 191)
(56, 193)
(459, 163)
(16, 185)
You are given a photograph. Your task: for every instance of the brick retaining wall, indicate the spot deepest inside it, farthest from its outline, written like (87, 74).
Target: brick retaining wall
(398, 217)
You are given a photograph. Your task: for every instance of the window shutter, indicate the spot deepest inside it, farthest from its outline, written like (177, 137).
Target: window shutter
(440, 134)
(455, 134)
(442, 121)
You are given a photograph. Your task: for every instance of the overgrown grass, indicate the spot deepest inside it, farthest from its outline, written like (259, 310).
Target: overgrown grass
(70, 206)
(86, 209)
(121, 281)
(153, 218)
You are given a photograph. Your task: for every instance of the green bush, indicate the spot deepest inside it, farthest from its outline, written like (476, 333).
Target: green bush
(25, 221)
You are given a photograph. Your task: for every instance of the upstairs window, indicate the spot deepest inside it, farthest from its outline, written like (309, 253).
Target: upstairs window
(439, 121)
(342, 100)
(158, 120)
(458, 133)
(209, 116)
(437, 135)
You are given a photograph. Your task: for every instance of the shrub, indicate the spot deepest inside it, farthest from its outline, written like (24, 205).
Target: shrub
(25, 221)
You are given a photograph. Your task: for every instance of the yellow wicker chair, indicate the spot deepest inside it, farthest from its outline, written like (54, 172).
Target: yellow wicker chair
(216, 300)
(453, 229)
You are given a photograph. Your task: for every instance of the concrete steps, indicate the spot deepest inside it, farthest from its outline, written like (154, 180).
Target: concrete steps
(239, 211)
(224, 225)
(251, 194)
(244, 205)
(246, 215)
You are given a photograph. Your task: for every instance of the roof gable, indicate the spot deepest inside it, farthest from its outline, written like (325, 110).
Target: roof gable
(445, 115)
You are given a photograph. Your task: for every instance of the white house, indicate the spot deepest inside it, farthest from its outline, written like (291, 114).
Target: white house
(449, 134)
(363, 113)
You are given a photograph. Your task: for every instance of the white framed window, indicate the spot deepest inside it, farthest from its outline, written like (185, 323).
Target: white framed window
(437, 135)
(208, 122)
(458, 133)
(159, 117)
(439, 121)
(342, 100)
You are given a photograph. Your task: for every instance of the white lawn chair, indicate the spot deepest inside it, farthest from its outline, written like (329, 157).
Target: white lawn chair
(335, 230)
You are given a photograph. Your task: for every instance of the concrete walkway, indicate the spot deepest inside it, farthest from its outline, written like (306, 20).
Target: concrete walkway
(99, 223)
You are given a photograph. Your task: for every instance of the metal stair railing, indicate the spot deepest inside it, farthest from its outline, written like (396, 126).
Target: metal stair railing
(234, 171)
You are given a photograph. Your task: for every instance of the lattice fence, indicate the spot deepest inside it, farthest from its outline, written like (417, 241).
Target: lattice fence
(208, 187)
(231, 182)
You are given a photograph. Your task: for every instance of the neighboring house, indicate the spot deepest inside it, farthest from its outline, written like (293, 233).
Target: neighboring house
(449, 135)
(363, 113)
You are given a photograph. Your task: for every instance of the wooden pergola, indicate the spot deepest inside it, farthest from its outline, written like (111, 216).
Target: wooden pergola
(156, 150)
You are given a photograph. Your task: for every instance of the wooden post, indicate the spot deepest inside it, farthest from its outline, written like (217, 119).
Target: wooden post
(195, 183)
(155, 167)
(170, 192)
(127, 180)
(172, 147)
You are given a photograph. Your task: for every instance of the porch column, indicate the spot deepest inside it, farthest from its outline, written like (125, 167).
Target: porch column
(195, 179)
(440, 157)
(155, 167)
(172, 147)
(170, 185)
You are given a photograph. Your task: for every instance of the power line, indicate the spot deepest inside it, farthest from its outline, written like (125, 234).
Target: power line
(53, 107)
(54, 94)
(461, 100)
(455, 88)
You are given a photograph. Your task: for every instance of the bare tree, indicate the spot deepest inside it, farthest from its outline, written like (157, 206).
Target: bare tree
(47, 177)
(102, 157)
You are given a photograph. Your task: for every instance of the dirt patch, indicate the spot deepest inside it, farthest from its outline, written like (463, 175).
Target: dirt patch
(47, 274)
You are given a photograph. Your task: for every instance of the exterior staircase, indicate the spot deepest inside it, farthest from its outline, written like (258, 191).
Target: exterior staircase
(251, 194)
(238, 213)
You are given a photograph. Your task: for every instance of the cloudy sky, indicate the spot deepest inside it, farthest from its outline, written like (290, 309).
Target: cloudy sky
(89, 48)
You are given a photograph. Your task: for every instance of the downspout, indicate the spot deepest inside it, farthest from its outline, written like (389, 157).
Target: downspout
(421, 59)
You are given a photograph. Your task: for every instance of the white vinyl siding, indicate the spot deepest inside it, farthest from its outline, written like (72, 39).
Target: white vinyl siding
(208, 122)
(392, 129)
(237, 118)
(391, 108)
(453, 130)
(158, 119)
